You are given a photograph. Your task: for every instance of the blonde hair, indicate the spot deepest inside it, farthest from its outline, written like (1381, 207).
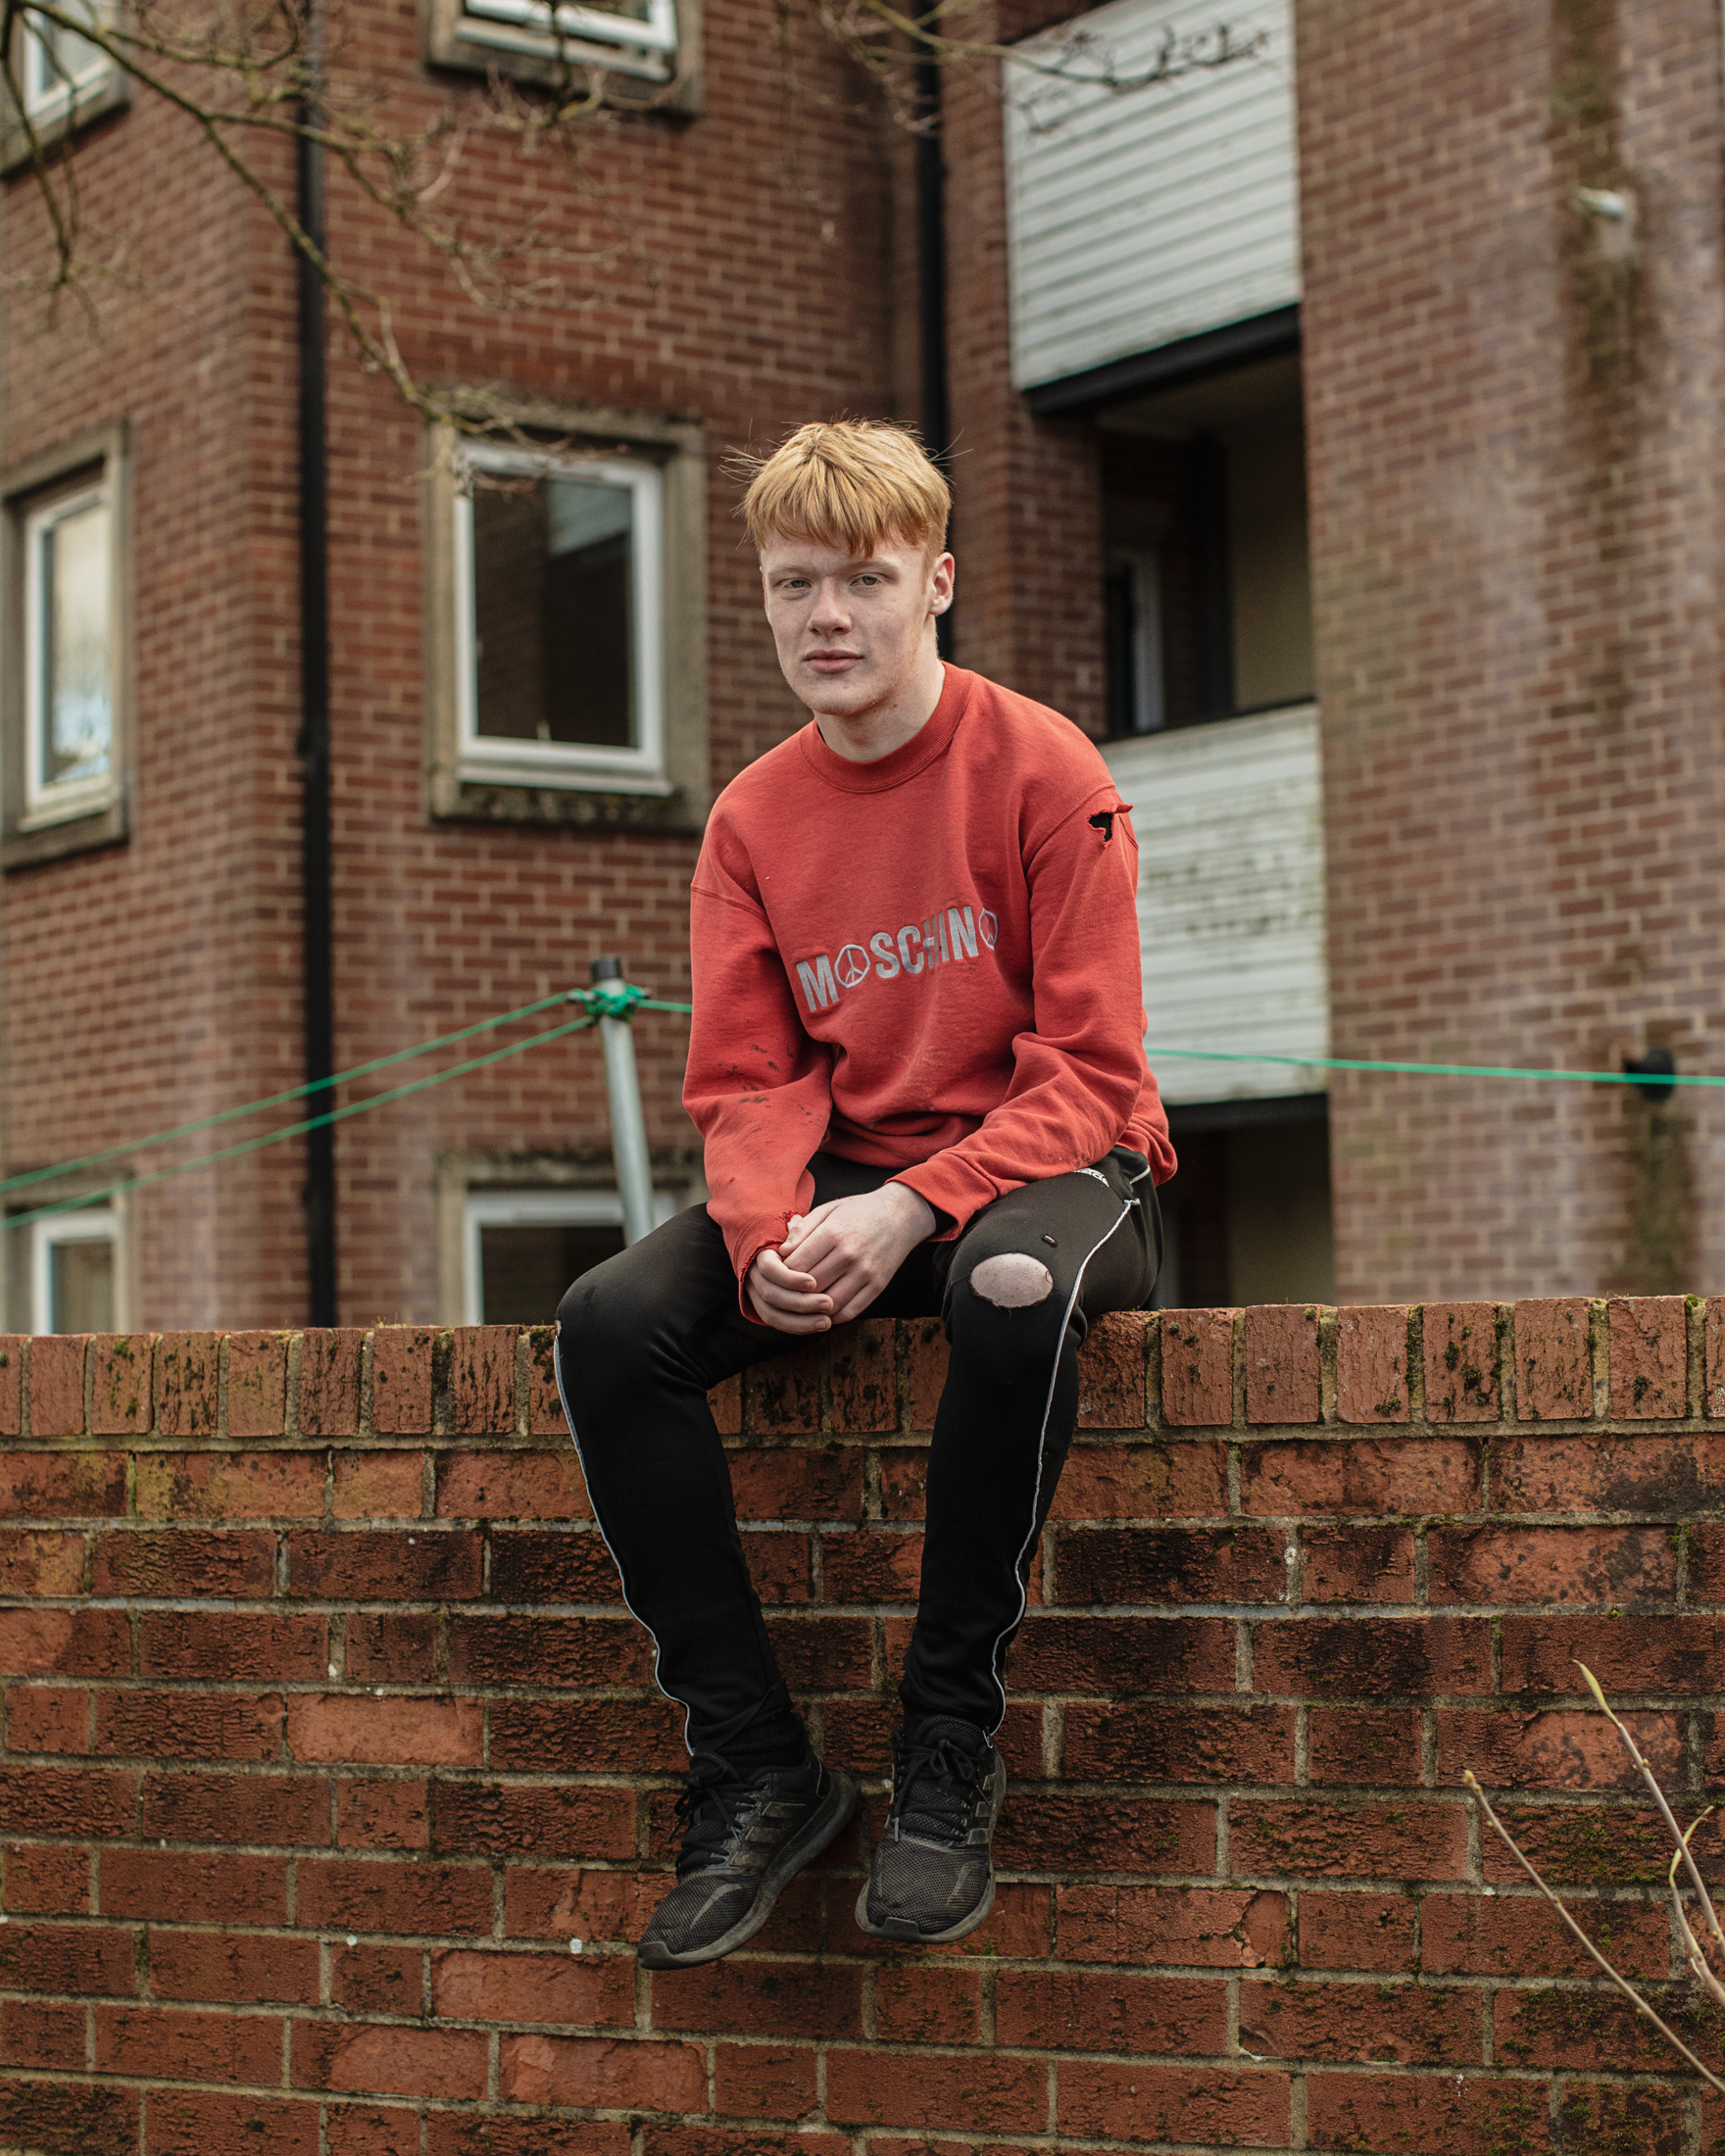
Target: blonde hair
(860, 484)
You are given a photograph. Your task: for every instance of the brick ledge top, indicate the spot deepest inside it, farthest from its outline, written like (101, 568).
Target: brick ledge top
(1571, 1362)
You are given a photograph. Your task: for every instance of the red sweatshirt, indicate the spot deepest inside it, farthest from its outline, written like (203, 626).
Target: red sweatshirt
(928, 964)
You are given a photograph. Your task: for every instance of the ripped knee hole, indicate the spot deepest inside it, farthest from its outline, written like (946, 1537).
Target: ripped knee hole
(1013, 1281)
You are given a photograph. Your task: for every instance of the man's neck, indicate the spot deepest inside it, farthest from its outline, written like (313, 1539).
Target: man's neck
(865, 737)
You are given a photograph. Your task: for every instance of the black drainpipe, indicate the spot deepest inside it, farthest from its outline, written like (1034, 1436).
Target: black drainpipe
(932, 285)
(314, 744)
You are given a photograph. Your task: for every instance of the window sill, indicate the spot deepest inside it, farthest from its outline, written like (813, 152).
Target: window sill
(29, 844)
(604, 805)
(111, 93)
(476, 46)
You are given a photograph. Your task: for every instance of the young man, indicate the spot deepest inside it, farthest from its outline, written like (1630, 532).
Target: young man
(917, 1061)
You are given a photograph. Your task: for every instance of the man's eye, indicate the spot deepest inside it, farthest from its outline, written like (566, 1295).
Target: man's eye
(868, 579)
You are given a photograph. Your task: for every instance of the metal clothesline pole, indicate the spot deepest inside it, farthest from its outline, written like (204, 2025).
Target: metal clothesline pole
(628, 1126)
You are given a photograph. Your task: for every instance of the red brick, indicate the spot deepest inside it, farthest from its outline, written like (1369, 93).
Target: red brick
(559, 1903)
(57, 1384)
(1371, 1363)
(178, 1886)
(765, 2080)
(1235, 2108)
(1015, 1930)
(927, 2005)
(1373, 1657)
(1112, 1372)
(1650, 1472)
(401, 1380)
(1123, 1654)
(683, 2140)
(257, 1385)
(1451, 2115)
(343, 1894)
(863, 1377)
(1707, 1562)
(230, 1485)
(1364, 1475)
(431, 1564)
(12, 1350)
(535, 1988)
(1356, 1563)
(482, 1380)
(1159, 1743)
(1172, 1564)
(55, 1485)
(36, 1562)
(46, 1880)
(222, 1968)
(289, 1809)
(1522, 1936)
(40, 2036)
(47, 1719)
(1376, 1932)
(1190, 1927)
(512, 1486)
(610, 2074)
(824, 1653)
(121, 1366)
(1551, 1564)
(182, 2123)
(384, 1732)
(571, 1566)
(1393, 1841)
(725, 1402)
(49, 1800)
(975, 2092)
(782, 1397)
(186, 1383)
(1587, 1846)
(1651, 1654)
(1282, 1382)
(329, 1381)
(1416, 2025)
(1364, 1746)
(1628, 2122)
(177, 1725)
(64, 1642)
(185, 1561)
(1713, 1382)
(1649, 1338)
(82, 1959)
(926, 1358)
(469, 2134)
(548, 1650)
(1553, 1359)
(545, 1415)
(1197, 1367)
(874, 1566)
(1155, 1479)
(801, 1482)
(378, 1485)
(1591, 2030)
(778, 1566)
(382, 1815)
(379, 1980)
(502, 1819)
(293, 1647)
(750, 2000)
(391, 1647)
(1043, 1829)
(1054, 2011)
(388, 2061)
(1462, 1362)
(187, 2048)
(1545, 1750)
(70, 2121)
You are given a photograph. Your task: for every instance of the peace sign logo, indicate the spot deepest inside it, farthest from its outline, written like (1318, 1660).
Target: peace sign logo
(851, 965)
(990, 928)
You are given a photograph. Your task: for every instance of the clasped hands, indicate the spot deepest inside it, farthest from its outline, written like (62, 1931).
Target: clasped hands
(836, 1260)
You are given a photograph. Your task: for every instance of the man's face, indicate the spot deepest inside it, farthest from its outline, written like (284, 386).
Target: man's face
(852, 633)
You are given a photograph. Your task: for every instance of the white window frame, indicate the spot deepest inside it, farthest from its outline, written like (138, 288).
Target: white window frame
(45, 800)
(646, 48)
(90, 1224)
(64, 91)
(491, 758)
(1144, 565)
(535, 1210)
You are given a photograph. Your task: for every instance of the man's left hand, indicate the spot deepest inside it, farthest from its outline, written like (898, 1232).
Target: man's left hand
(853, 1246)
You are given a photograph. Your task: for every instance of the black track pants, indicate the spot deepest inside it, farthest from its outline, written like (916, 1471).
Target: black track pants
(644, 1336)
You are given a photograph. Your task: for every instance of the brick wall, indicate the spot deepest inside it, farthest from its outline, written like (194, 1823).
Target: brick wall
(335, 1789)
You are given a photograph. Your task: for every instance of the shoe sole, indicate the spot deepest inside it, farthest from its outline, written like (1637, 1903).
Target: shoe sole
(902, 1932)
(803, 1847)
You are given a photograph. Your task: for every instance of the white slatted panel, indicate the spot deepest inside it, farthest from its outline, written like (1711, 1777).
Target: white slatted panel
(1137, 218)
(1231, 899)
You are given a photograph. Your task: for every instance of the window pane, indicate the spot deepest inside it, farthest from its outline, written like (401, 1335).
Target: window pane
(57, 58)
(80, 1287)
(524, 1270)
(78, 701)
(554, 611)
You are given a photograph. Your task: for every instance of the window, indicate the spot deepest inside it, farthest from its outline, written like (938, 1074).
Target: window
(565, 625)
(524, 1247)
(647, 49)
(1134, 612)
(64, 80)
(63, 683)
(64, 1273)
(560, 576)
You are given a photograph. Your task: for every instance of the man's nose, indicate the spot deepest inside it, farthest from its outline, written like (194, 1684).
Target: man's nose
(830, 614)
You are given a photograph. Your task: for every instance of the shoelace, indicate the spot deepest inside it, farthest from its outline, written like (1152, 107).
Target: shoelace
(705, 1812)
(933, 1785)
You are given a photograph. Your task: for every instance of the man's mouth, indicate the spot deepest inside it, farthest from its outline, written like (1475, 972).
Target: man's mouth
(831, 661)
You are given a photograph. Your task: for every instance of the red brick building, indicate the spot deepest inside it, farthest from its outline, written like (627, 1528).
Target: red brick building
(1333, 430)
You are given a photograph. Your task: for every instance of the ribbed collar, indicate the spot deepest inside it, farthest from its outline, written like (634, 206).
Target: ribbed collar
(931, 738)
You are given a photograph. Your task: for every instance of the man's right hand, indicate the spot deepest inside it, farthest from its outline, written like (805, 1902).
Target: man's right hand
(788, 1300)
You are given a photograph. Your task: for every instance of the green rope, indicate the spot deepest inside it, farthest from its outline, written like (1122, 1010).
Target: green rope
(277, 1100)
(311, 1122)
(1445, 1070)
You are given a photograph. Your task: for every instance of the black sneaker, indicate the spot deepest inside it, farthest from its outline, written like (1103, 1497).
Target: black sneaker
(743, 1841)
(932, 1878)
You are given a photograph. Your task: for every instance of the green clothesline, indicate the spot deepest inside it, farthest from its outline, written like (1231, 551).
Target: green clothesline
(1445, 1070)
